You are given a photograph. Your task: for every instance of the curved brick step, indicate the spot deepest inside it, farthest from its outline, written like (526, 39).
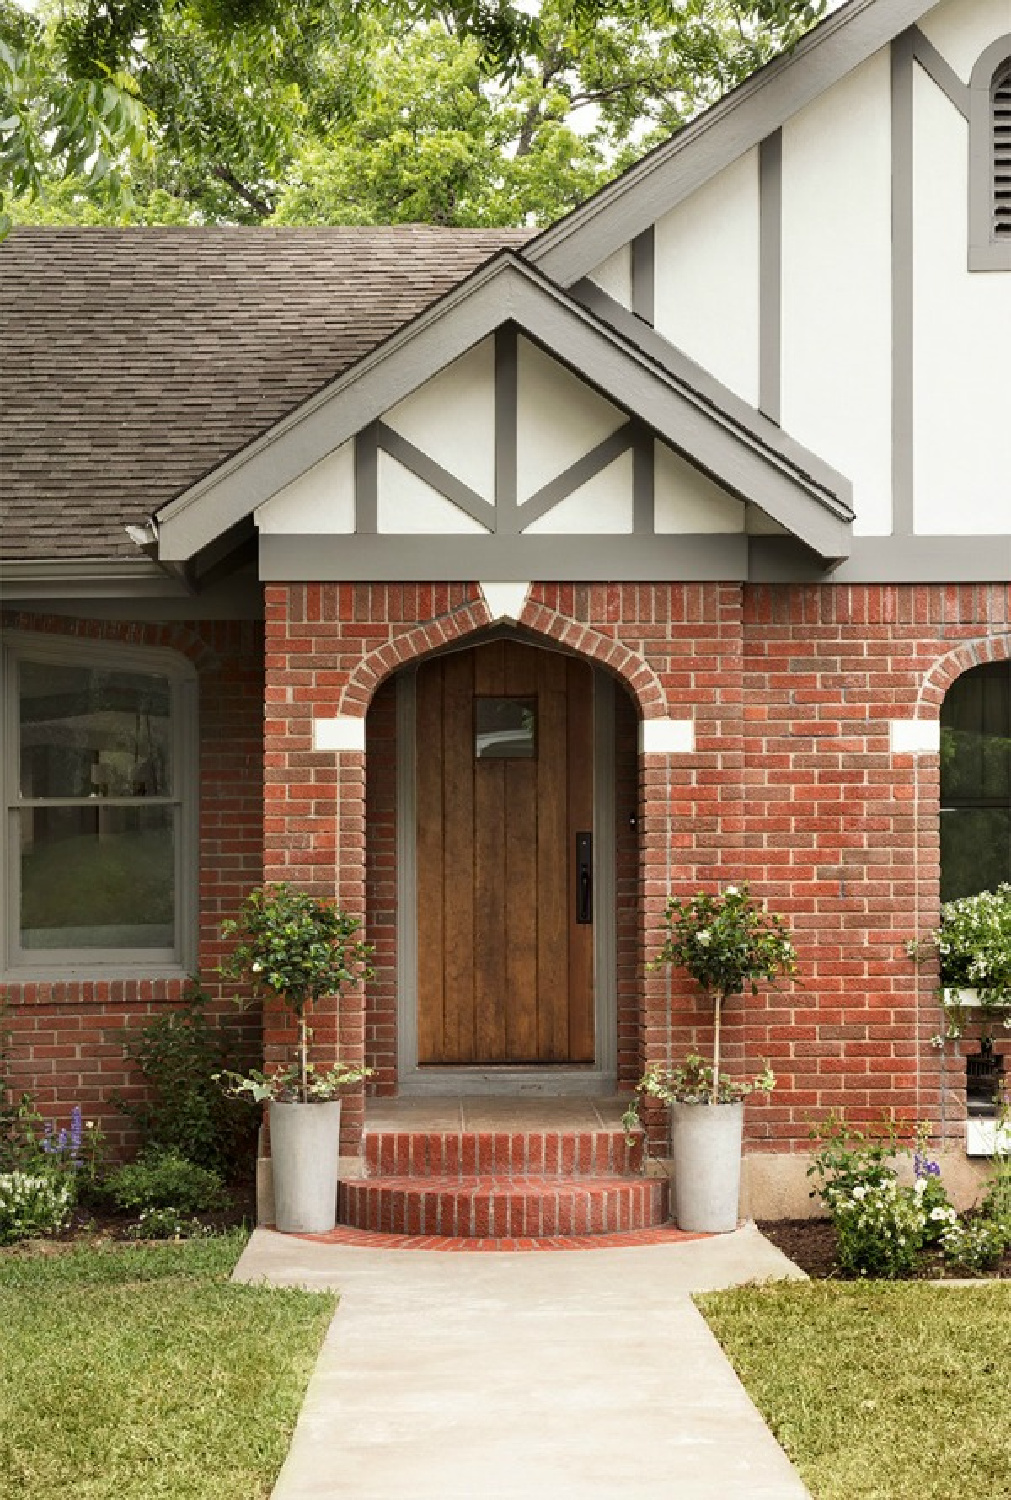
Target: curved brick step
(480, 1207)
(500, 1153)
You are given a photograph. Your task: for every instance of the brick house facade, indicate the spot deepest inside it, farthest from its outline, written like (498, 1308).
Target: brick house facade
(714, 471)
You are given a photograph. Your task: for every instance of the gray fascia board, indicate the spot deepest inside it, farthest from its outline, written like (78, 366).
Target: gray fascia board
(496, 558)
(686, 372)
(728, 557)
(737, 123)
(86, 578)
(886, 559)
(507, 291)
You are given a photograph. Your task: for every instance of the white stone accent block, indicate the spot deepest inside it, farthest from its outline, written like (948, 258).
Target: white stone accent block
(344, 732)
(667, 736)
(914, 736)
(505, 601)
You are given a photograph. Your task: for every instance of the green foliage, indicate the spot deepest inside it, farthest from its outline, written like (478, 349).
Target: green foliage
(727, 943)
(180, 1055)
(166, 1224)
(975, 1242)
(295, 946)
(973, 944)
(880, 1229)
(56, 119)
(33, 1204)
(848, 1157)
(880, 1224)
(285, 1085)
(234, 110)
(691, 1082)
(164, 1179)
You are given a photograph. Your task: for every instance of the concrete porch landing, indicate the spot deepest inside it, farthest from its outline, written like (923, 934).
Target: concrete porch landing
(495, 1112)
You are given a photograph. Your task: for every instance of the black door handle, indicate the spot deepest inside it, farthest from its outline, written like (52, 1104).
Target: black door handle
(584, 878)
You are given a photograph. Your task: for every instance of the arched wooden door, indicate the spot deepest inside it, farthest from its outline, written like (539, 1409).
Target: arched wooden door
(504, 808)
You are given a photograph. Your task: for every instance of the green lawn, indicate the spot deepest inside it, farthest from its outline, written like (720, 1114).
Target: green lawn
(879, 1391)
(139, 1373)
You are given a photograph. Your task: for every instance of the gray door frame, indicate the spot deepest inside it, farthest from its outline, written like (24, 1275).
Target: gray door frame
(504, 1079)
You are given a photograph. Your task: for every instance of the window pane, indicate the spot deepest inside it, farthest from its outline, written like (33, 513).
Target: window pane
(97, 877)
(976, 736)
(975, 850)
(88, 733)
(505, 728)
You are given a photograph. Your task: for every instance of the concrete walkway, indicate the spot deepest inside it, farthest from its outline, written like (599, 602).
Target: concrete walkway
(568, 1375)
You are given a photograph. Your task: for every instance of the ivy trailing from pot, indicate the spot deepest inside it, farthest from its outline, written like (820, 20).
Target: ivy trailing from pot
(298, 949)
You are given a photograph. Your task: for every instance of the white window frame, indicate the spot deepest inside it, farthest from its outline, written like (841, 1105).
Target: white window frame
(986, 252)
(24, 965)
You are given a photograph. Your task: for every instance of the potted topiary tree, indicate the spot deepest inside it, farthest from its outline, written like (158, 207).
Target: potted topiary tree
(298, 948)
(728, 944)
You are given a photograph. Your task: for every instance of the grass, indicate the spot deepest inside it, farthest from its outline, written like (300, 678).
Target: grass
(140, 1373)
(879, 1391)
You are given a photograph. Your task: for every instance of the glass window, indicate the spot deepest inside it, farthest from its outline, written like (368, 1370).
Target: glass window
(505, 728)
(100, 811)
(976, 781)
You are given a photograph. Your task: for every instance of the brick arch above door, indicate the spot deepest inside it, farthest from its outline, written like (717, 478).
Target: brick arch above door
(543, 614)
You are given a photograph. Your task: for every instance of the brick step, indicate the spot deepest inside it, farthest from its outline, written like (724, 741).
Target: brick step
(500, 1153)
(485, 1206)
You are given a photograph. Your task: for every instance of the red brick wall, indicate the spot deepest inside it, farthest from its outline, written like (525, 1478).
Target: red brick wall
(66, 1043)
(791, 786)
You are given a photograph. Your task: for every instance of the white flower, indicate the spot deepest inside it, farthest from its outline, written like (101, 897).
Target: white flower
(731, 890)
(859, 1192)
(704, 938)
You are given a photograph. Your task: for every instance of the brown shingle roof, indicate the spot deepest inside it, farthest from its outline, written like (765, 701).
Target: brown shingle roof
(135, 360)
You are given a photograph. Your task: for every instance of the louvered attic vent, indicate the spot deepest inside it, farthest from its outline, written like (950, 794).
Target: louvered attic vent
(1002, 153)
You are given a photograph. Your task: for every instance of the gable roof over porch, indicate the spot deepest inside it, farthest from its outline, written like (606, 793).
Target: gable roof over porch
(747, 456)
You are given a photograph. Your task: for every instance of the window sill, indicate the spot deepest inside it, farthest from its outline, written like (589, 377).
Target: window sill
(109, 972)
(969, 1000)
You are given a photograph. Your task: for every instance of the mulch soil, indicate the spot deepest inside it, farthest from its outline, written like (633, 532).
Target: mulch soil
(811, 1245)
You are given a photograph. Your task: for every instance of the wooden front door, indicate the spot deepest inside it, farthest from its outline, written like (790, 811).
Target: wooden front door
(504, 805)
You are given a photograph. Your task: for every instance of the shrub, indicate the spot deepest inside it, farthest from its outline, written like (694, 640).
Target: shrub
(180, 1054)
(164, 1179)
(33, 1204)
(850, 1158)
(881, 1226)
(166, 1224)
(976, 1243)
(880, 1229)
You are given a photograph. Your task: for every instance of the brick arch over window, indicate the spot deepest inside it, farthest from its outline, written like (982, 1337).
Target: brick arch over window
(536, 616)
(954, 663)
(174, 637)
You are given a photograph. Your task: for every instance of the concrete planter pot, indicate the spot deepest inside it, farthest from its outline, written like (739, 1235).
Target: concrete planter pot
(304, 1149)
(707, 1166)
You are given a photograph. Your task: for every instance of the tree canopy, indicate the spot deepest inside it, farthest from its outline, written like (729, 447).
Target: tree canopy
(320, 111)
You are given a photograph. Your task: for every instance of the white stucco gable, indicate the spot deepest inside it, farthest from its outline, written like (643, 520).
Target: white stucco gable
(818, 244)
